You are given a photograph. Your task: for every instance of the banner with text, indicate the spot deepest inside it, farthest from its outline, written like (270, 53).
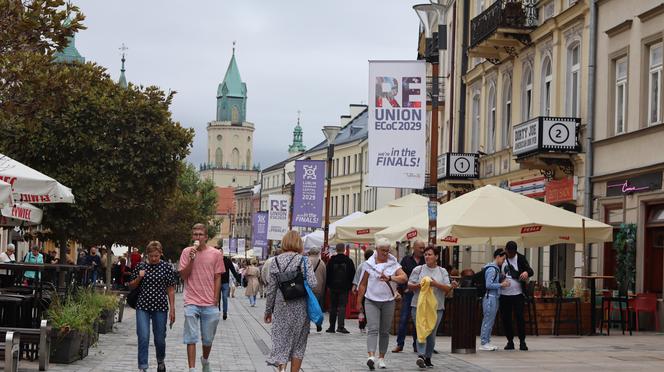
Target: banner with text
(259, 234)
(233, 246)
(277, 222)
(397, 124)
(225, 244)
(308, 193)
(241, 246)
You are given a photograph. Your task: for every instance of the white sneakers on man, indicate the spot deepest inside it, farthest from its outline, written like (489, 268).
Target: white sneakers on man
(381, 363)
(488, 347)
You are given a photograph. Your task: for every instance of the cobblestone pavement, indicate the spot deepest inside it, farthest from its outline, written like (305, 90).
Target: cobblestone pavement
(243, 341)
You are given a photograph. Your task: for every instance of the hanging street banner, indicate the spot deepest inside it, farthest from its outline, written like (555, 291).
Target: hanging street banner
(397, 124)
(233, 246)
(226, 245)
(259, 234)
(241, 246)
(308, 193)
(277, 222)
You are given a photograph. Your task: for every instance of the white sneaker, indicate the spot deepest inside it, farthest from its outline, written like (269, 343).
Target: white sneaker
(206, 365)
(381, 363)
(371, 361)
(488, 347)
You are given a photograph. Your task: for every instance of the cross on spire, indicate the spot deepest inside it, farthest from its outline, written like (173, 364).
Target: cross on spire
(234, 42)
(298, 117)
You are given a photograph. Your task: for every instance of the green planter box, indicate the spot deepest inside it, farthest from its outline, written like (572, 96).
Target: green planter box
(66, 348)
(106, 321)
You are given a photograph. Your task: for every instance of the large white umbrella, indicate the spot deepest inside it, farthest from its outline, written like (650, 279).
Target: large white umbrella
(23, 212)
(29, 185)
(363, 229)
(316, 238)
(5, 194)
(492, 215)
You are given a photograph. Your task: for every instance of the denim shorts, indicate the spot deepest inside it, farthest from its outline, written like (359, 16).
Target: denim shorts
(200, 324)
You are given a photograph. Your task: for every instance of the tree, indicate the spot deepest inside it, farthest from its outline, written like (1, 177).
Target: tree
(193, 201)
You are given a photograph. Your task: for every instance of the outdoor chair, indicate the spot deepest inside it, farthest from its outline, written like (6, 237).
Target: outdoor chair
(560, 300)
(620, 303)
(531, 309)
(646, 303)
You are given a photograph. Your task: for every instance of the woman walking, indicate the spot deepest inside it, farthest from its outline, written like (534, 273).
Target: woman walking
(251, 274)
(156, 280)
(440, 283)
(290, 322)
(378, 290)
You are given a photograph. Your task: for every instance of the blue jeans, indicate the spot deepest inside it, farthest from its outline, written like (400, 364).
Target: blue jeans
(252, 300)
(143, 318)
(406, 300)
(489, 308)
(426, 349)
(225, 290)
(93, 276)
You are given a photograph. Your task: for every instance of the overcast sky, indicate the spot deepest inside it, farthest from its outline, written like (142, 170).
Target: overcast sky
(307, 55)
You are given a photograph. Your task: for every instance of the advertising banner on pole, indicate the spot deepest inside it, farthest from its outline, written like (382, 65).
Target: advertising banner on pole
(259, 234)
(233, 246)
(277, 222)
(241, 246)
(226, 245)
(397, 124)
(308, 193)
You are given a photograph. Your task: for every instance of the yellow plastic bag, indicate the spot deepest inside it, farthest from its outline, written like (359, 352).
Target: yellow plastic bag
(427, 307)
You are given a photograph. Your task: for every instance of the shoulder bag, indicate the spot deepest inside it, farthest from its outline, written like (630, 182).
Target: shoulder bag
(291, 283)
(132, 297)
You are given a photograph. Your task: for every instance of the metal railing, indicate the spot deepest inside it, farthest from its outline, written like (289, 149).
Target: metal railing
(502, 13)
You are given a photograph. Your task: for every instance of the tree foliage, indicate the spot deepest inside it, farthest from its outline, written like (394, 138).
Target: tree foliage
(625, 247)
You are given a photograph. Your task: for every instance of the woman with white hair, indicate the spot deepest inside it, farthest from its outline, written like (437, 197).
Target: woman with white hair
(377, 287)
(318, 266)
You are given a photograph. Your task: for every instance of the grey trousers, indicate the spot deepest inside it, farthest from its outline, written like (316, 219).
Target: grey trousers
(379, 320)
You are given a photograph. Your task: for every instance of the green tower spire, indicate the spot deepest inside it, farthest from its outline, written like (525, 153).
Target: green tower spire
(297, 145)
(70, 54)
(122, 81)
(232, 95)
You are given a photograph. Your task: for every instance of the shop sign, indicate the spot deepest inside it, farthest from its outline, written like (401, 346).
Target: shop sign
(631, 185)
(411, 234)
(558, 191)
(532, 187)
(546, 133)
(362, 232)
(458, 166)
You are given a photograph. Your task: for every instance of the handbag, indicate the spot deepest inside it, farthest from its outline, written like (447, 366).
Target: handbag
(313, 307)
(132, 297)
(291, 283)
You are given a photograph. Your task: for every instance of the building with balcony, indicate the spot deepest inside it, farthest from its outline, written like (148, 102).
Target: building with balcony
(628, 162)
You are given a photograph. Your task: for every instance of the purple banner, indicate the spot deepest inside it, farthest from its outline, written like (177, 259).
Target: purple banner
(232, 245)
(259, 234)
(308, 195)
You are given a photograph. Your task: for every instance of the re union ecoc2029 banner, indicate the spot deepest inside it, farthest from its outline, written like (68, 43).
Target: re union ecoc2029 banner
(397, 124)
(308, 193)
(277, 225)
(259, 234)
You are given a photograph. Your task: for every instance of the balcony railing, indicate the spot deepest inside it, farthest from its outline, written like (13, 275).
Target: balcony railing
(513, 14)
(459, 166)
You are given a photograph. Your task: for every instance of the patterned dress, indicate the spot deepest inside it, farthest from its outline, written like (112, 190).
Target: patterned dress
(290, 322)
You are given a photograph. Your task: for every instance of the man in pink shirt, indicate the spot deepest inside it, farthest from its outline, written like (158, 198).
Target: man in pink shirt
(201, 267)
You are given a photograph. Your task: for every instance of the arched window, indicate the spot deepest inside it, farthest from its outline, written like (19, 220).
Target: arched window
(248, 159)
(218, 158)
(235, 114)
(573, 95)
(507, 113)
(545, 106)
(235, 158)
(491, 121)
(527, 95)
(475, 135)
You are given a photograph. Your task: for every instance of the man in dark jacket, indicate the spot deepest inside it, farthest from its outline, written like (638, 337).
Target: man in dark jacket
(339, 279)
(225, 281)
(408, 263)
(517, 270)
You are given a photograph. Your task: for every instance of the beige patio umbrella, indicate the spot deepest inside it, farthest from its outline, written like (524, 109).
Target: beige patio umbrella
(492, 215)
(362, 229)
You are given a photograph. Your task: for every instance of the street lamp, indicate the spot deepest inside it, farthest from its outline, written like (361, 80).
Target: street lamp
(430, 15)
(291, 177)
(330, 132)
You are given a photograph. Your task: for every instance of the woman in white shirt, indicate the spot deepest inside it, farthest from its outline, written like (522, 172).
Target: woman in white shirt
(378, 290)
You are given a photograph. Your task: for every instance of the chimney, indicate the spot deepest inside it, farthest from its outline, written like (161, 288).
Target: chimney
(356, 109)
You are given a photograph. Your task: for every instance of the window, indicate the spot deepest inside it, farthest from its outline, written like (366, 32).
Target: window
(491, 122)
(218, 158)
(248, 159)
(355, 163)
(343, 166)
(621, 94)
(343, 202)
(527, 97)
(545, 106)
(336, 166)
(235, 114)
(655, 85)
(479, 6)
(475, 135)
(573, 80)
(235, 158)
(507, 113)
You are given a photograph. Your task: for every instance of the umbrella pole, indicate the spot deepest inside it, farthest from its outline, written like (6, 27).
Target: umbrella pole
(586, 250)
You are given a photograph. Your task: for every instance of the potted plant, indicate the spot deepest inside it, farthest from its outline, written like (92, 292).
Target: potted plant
(70, 325)
(101, 308)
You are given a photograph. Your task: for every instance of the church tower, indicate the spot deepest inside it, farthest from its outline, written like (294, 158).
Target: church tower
(69, 54)
(230, 136)
(297, 147)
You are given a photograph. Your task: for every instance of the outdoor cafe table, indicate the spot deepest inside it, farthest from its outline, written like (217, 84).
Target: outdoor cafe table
(593, 301)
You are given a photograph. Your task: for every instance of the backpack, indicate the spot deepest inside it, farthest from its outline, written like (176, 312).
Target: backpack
(339, 275)
(291, 283)
(479, 280)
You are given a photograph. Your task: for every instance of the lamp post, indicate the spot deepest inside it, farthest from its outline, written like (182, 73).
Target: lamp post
(430, 15)
(291, 176)
(330, 132)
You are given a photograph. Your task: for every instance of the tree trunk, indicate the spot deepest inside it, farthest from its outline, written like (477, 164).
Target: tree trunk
(109, 265)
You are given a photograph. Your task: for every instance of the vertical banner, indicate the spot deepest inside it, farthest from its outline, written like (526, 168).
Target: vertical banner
(277, 222)
(308, 193)
(241, 246)
(397, 124)
(226, 245)
(233, 246)
(259, 234)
